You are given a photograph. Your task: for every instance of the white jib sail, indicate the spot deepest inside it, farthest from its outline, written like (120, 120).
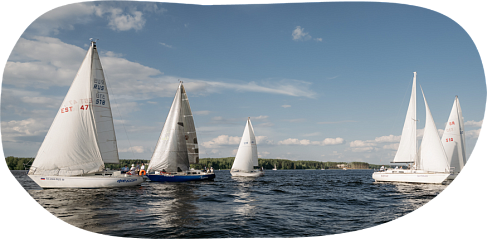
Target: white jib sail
(433, 156)
(247, 150)
(453, 138)
(189, 128)
(406, 152)
(70, 147)
(171, 152)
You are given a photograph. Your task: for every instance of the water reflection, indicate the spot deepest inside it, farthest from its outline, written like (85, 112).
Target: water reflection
(172, 205)
(244, 203)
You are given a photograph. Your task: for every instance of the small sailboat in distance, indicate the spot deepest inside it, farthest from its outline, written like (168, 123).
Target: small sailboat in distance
(453, 140)
(430, 163)
(246, 158)
(82, 137)
(177, 146)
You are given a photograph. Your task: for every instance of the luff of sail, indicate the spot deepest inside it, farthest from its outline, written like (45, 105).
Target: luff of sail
(171, 153)
(189, 128)
(71, 146)
(433, 157)
(247, 150)
(406, 152)
(453, 138)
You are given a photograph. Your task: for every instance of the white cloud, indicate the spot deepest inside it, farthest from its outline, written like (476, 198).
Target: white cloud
(120, 21)
(260, 117)
(135, 149)
(282, 87)
(474, 123)
(472, 133)
(360, 143)
(391, 146)
(120, 17)
(360, 150)
(285, 106)
(327, 141)
(16, 129)
(166, 45)
(300, 35)
(333, 141)
(388, 139)
(222, 140)
(202, 112)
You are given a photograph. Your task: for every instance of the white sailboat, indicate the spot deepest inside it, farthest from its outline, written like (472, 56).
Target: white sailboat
(246, 158)
(453, 140)
(430, 163)
(177, 146)
(82, 136)
(275, 167)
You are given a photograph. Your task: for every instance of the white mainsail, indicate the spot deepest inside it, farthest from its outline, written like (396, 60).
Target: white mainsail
(433, 157)
(171, 152)
(453, 138)
(406, 152)
(246, 157)
(82, 132)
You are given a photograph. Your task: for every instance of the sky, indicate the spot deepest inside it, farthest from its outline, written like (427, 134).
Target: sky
(319, 81)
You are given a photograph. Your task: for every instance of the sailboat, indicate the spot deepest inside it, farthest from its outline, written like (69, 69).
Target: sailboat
(453, 140)
(275, 167)
(429, 163)
(246, 158)
(82, 136)
(177, 146)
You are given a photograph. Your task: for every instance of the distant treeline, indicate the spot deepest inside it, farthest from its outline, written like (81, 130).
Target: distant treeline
(15, 163)
(226, 163)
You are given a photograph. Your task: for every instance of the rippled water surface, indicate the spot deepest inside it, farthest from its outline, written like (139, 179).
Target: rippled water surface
(283, 203)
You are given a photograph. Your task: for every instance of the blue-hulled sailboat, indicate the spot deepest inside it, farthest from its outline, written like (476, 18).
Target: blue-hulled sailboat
(177, 146)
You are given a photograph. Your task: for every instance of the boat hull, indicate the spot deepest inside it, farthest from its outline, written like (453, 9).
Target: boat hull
(86, 181)
(248, 174)
(409, 177)
(179, 178)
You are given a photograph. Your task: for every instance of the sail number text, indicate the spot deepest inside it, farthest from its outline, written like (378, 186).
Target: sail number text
(449, 140)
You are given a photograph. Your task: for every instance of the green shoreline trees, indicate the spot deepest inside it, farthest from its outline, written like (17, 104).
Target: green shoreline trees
(15, 163)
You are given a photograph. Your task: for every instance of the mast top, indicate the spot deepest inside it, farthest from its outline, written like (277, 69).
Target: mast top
(93, 42)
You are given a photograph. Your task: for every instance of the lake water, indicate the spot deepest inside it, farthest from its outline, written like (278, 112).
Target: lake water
(283, 203)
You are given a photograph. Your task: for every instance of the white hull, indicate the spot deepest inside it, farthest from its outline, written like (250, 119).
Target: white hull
(409, 176)
(247, 174)
(86, 181)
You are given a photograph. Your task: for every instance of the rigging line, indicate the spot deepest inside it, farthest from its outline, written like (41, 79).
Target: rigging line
(118, 110)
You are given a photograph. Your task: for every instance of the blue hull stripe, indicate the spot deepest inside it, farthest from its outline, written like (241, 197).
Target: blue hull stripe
(179, 178)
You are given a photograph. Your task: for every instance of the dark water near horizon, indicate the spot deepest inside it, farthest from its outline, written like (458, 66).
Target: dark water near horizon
(283, 203)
